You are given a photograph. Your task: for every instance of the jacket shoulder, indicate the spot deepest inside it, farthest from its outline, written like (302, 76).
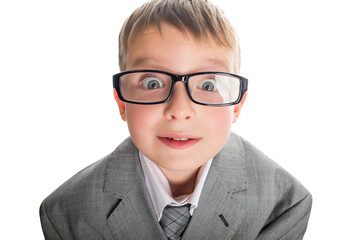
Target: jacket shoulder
(90, 180)
(258, 165)
(275, 202)
(269, 183)
(81, 199)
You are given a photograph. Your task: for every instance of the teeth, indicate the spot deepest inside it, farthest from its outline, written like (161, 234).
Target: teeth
(179, 139)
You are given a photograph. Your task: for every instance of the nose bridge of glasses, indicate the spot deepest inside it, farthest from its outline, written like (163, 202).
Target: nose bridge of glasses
(180, 78)
(183, 79)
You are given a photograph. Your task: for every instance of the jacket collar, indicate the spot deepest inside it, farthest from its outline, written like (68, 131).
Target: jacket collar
(125, 180)
(229, 164)
(123, 170)
(133, 217)
(219, 212)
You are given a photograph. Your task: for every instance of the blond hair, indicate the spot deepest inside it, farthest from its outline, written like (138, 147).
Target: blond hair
(200, 18)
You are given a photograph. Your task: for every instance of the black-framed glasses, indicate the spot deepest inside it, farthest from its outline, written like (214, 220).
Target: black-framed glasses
(205, 88)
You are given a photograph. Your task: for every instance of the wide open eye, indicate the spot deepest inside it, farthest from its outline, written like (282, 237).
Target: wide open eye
(208, 85)
(152, 83)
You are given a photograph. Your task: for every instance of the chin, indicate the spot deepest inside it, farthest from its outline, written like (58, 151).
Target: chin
(180, 165)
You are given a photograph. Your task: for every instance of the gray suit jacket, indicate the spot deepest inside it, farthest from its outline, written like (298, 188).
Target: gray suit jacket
(109, 200)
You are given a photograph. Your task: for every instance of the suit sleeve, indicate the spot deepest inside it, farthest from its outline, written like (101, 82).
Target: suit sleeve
(48, 228)
(291, 224)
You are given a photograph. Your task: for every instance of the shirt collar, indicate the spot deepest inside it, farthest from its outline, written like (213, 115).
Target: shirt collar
(159, 188)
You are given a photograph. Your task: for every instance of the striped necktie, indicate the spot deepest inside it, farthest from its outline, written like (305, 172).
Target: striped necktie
(174, 220)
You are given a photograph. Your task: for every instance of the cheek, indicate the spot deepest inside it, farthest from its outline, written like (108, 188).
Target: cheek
(220, 123)
(221, 115)
(141, 120)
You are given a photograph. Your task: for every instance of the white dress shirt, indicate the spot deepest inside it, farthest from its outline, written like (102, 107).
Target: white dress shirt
(159, 188)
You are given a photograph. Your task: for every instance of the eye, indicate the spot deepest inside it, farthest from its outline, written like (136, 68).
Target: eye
(152, 83)
(208, 85)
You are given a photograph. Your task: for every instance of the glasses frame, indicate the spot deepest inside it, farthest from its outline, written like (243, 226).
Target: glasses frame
(181, 78)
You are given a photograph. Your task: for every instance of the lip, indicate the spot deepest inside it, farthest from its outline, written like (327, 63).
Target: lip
(178, 141)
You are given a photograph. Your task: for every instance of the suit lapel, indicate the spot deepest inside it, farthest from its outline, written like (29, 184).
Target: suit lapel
(133, 217)
(227, 175)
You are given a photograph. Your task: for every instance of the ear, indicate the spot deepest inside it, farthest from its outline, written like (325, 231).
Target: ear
(237, 108)
(121, 105)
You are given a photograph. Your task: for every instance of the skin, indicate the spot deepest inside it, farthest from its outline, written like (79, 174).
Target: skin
(178, 53)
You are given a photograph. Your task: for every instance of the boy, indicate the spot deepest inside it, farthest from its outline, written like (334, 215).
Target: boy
(182, 174)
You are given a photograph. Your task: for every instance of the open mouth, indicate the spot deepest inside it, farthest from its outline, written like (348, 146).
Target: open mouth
(179, 139)
(180, 142)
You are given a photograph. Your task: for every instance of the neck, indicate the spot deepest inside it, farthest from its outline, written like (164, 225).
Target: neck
(181, 182)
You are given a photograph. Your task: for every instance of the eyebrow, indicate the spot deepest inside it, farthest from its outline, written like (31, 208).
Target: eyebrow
(219, 62)
(143, 61)
(150, 61)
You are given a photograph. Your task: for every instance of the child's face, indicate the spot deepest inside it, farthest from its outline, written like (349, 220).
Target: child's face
(151, 126)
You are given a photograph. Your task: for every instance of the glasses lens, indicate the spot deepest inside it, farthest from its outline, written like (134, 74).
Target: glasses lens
(145, 87)
(214, 88)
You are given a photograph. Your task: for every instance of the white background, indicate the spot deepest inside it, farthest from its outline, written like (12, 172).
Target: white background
(58, 114)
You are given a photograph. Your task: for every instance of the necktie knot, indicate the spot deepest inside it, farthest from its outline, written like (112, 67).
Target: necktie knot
(174, 220)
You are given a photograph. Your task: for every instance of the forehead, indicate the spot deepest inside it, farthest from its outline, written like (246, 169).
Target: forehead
(168, 48)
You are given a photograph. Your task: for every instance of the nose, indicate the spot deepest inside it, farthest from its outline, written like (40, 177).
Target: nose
(179, 106)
